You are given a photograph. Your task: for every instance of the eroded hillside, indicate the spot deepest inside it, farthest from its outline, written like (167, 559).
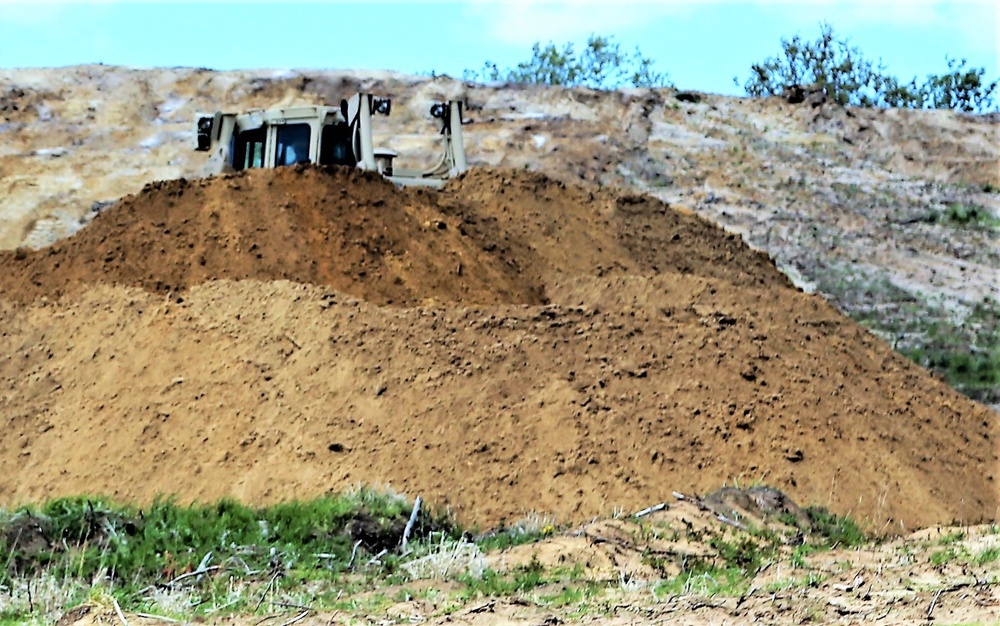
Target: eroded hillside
(891, 214)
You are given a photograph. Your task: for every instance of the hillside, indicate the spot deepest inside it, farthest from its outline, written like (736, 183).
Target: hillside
(893, 215)
(538, 336)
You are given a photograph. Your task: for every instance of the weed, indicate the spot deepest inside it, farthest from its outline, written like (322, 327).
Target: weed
(496, 584)
(958, 214)
(942, 557)
(835, 530)
(527, 530)
(987, 556)
(951, 538)
(705, 582)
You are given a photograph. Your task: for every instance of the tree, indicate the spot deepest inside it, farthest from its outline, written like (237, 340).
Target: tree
(961, 88)
(601, 65)
(847, 77)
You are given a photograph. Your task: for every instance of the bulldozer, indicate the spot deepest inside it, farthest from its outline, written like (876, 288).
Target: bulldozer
(324, 135)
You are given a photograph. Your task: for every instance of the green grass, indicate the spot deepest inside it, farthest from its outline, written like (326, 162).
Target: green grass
(493, 584)
(255, 559)
(137, 550)
(964, 350)
(965, 215)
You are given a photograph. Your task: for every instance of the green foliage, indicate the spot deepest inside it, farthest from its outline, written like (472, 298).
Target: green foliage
(957, 214)
(835, 530)
(602, 64)
(942, 557)
(706, 581)
(847, 77)
(987, 556)
(496, 584)
(964, 351)
(86, 537)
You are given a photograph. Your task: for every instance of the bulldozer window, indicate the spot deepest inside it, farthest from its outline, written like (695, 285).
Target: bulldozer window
(335, 146)
(248, 150)
(293, 144)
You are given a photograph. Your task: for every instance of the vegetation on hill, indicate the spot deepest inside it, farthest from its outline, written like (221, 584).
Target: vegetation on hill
(831, 63)
(602, 64)
(343, 553)
(848, 77)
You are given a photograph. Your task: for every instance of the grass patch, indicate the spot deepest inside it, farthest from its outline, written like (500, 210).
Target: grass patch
(965, 215)
(963, 348)
(335, 553)
(989, 555)
(142, 552)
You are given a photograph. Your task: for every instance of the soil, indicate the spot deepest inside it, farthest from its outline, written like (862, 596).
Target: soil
(511, 344)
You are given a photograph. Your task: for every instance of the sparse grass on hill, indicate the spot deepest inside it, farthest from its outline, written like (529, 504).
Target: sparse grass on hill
(333, 553)
(963, 347)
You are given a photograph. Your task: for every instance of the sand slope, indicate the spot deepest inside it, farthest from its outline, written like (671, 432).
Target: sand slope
(507, 345)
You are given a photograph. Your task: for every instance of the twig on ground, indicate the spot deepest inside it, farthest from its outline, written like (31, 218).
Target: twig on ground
(651, 509)
(930, 609)
(118, 610)
(298, 618)
(354, 553)
(158, 617)
(725, 520)
(376, 558)
(695, 500)
(197, 572)
(483, 608)
(410, 523)
(266, 589)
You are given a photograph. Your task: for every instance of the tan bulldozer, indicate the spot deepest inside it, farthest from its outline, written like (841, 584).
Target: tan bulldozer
(324, 135)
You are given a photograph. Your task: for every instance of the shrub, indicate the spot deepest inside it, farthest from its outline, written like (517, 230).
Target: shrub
(847, 77)
(601, 65)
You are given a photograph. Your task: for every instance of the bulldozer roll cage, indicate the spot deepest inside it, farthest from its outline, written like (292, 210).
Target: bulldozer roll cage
(324, 135)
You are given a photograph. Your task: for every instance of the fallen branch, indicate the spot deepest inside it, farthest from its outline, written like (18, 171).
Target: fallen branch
(158, 617)
(298, 618)
(118, 610)
(266, 589)
(410, 523)
(652, 509)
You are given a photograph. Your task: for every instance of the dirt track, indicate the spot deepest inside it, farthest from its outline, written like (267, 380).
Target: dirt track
(547, 348)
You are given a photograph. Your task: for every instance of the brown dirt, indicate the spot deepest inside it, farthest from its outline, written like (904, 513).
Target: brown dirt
(493, 238)
(573, 351)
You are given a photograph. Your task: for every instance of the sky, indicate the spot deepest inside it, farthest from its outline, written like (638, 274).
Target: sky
(699, 45)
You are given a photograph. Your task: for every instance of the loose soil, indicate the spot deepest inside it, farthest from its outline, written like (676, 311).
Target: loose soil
(509, 344)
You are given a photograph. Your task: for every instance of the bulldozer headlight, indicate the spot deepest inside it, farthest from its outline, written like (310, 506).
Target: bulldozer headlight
(382, 106)
(204, 132)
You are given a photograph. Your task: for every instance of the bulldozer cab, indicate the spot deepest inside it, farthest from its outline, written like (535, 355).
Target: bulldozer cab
(324, 135)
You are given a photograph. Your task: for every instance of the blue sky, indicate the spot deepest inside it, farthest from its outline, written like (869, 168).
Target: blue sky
(701, 45)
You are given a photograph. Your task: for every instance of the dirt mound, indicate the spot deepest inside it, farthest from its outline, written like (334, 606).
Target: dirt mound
(605, 350)
(493, 237)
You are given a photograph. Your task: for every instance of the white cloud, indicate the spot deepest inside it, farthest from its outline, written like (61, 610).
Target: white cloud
(524, 22)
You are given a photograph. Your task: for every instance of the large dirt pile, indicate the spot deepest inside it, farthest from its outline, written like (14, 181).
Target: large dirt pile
(494, 237)
(549, 348)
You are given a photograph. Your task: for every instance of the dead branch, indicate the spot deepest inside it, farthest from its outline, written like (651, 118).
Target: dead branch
(410, 523)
